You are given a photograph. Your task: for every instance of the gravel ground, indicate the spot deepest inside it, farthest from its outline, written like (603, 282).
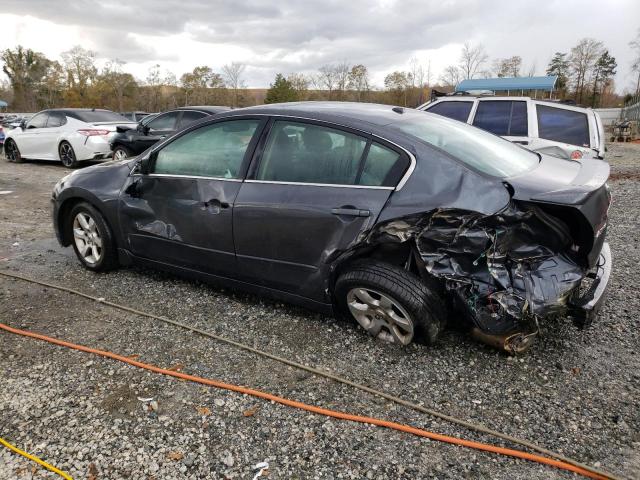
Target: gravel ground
(575, 392)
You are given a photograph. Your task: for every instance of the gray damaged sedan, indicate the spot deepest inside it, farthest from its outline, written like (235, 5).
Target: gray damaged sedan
(394, 217)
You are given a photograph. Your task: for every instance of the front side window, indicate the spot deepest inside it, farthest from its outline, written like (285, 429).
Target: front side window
(166, 121)
(456, 110)
(502, 117)
(38, 121)
(215, 151)
(307, 153)
(479, 149)
(562, 125)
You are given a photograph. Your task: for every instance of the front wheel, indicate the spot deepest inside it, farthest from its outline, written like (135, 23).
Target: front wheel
(67, 155)
(390, 303)
(11, 151)
(92, 238)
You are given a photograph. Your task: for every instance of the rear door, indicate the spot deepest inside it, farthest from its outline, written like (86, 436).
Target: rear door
(506, 118)
(181, 212)
(313, 190)
(47, 138)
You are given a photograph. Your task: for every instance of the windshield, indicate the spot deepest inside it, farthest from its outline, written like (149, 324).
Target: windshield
(93, 116)
(479, 149)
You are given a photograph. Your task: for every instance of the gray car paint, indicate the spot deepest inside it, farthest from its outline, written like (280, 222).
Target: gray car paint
(284, 240)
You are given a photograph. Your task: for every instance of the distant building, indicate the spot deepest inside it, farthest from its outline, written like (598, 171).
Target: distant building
(529, 86)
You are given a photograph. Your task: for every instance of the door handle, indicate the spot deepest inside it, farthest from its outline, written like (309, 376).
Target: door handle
(215, 203)
(353, 212)
(521, 142)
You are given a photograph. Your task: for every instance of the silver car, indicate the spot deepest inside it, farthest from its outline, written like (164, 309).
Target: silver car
(544, 126)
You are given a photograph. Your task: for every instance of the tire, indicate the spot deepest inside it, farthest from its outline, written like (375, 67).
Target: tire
(100, 254)
(67, 155)
(120, 153)
(11, 151)
(411, 297)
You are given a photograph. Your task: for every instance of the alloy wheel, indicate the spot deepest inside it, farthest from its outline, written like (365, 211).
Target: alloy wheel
(87, 238)
(11, 151)
(380, 315)
(67, 157)
(119, 154)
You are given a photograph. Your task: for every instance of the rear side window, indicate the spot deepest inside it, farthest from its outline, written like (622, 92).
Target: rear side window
(166, 121)
(307, 153)
(383, 167)
(95, 116)
(561, 125)
(56, 119)
(212, 151)
(190, 116)
(501, 117)
(456, 110)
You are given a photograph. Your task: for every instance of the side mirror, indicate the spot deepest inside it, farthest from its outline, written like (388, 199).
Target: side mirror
(146, 129)
(23, 124)
(146, 162)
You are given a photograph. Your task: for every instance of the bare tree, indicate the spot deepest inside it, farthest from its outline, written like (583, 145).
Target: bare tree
(300, 83)
(80, 66)
(359, 81)
(118, 81)
(451, 76)
(232, 74)
(327, 79)
(507, 67)
(582, 60)
(342, 70)
(472, 59)
(635, 62)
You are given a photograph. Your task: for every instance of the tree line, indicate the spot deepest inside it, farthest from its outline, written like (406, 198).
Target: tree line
(585, 74)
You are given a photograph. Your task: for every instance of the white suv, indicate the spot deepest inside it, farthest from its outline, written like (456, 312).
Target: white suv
(544, 126)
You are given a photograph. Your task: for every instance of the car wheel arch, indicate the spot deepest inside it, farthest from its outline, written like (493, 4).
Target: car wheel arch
(65, 209)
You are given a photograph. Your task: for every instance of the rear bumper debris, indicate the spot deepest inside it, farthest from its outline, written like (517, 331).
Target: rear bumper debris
(585, 308)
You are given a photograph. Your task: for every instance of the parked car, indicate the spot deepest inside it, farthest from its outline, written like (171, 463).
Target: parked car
(135, 116)
(130, 142)
(1, 136)
(387, 215)
(543, 126)
(69, 135)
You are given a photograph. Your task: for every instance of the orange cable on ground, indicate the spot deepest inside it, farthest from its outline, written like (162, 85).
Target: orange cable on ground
(318, 410)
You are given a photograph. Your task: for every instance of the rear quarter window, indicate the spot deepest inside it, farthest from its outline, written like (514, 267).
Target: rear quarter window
(562, 125)
(455, 110)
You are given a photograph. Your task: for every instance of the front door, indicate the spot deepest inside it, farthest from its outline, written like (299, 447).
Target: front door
(315, 190)
(181, 212)
(29, 141)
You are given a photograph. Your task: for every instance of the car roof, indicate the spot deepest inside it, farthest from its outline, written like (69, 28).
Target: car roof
(203, 108)
(346, 113)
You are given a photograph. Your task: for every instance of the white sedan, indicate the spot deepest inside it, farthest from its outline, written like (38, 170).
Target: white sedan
(69, 135)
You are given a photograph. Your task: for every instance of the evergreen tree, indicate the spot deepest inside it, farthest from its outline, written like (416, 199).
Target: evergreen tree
(559, 66)
(280, 91)
(604, 69)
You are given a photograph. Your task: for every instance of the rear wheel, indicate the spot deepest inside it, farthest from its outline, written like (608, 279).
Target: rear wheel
(390, 303)
(11, 151)
(67, 155)
(120, 153)
(92, 238)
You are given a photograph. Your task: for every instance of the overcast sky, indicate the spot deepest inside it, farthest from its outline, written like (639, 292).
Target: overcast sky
(299, 36)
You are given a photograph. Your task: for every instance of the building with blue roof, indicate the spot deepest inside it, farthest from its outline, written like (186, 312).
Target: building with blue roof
(510, 85)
